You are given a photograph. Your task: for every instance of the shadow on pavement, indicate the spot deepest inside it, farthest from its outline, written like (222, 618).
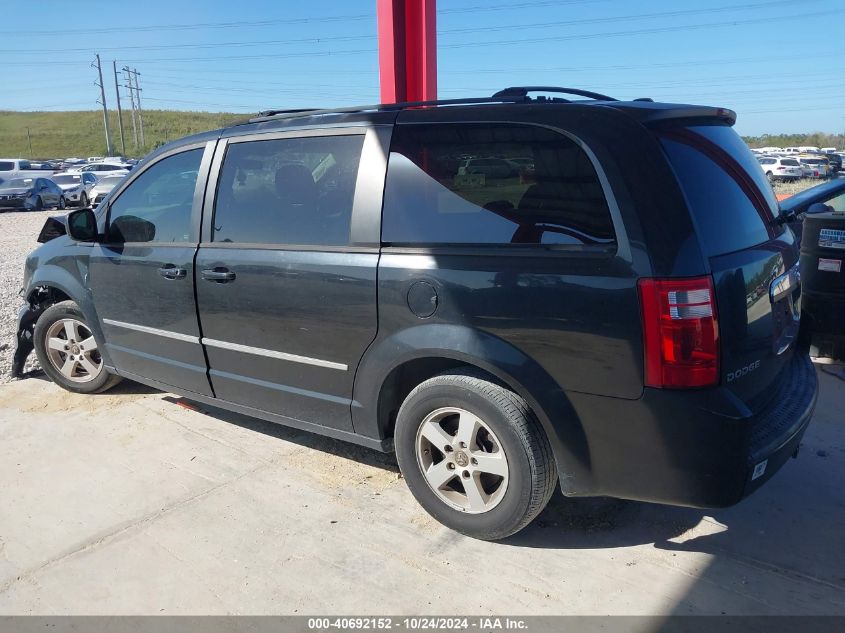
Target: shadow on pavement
(354, 452)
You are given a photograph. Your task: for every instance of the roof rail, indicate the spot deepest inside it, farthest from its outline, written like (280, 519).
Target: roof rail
(381, 107)
(288, 111)
(522, 91)
(516, 94)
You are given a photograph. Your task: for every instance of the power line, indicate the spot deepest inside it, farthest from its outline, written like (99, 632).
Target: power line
(586, 36)
(318, 20)
(442, 32)
(648, 31)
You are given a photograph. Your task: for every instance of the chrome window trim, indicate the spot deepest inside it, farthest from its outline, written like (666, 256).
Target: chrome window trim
(269, 353)
(188, 338)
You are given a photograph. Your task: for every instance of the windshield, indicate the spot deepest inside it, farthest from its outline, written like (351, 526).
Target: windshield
(68, 179)
(17, 183)
(110, 180)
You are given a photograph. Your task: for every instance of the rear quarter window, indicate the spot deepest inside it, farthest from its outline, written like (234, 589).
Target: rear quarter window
(6, 165)
(731, 201)
(493, 184)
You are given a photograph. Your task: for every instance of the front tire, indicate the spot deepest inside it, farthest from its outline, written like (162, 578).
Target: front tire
(62, 203)
(83, 200)
(474, 454)
(39, 204)
(67, 351)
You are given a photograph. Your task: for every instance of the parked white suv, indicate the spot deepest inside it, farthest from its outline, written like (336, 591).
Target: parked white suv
(777, 168)
(76, 186)
(11, 168)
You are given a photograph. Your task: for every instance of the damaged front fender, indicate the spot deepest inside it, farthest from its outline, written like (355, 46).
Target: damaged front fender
(27, 316)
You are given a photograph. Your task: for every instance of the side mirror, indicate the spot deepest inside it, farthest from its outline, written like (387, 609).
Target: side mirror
(818, 207)
(82, 225)
(54, 227)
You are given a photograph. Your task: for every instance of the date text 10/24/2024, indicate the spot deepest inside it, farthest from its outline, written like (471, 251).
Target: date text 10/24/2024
(421, 623)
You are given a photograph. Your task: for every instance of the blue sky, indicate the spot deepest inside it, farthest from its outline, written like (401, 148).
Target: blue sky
(779, 63)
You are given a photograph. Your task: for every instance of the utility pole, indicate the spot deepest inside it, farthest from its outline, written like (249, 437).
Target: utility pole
(105, 110)
(131, 88)
(138, 99)
(29, 138)
(119, 112)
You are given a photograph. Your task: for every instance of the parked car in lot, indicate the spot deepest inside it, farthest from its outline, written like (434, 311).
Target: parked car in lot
(12, 168)
(780, 168)
(596, 327)
(823, 198)
(835, 161)
(493, 168)
(107, 169)
(104, 185)
(31, 194)
(820, 166)
(77, 187)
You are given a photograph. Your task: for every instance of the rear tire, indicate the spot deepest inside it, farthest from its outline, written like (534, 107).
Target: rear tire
(67, 351)
(483, 450)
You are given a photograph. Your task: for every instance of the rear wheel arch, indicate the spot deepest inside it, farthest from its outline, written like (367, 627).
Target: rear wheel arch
(385, 378)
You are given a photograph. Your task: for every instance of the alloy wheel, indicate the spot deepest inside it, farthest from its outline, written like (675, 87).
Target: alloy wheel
(462, 460)
(73, 351)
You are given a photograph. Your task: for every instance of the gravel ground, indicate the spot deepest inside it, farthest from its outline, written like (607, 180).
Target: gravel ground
(18, 231)
(796, 186)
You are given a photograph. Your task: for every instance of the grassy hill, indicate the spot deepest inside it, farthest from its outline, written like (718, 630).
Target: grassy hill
(80, 133)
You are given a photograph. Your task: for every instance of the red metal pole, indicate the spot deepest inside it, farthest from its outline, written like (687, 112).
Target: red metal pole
(407, 33)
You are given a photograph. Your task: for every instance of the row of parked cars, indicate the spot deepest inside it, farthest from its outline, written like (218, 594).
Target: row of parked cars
(794, 163)
(31, 185)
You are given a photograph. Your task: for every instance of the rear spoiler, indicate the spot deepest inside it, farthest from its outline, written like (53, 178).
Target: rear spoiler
(660, 113)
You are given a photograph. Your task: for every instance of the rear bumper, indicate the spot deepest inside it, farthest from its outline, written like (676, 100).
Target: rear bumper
(693, 448)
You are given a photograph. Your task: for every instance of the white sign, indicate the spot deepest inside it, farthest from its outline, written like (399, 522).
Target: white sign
(833, 265)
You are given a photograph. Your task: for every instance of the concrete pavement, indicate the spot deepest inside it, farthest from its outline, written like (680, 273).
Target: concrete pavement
(128, 503)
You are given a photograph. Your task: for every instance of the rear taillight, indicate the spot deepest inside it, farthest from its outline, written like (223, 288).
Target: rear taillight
(680, 332)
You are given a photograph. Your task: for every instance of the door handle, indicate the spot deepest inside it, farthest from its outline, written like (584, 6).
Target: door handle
(169, 271)
(218, 275)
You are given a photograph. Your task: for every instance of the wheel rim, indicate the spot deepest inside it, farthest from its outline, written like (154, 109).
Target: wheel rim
(73, 351)
(462, 460)
(83, 201)
(61, 203)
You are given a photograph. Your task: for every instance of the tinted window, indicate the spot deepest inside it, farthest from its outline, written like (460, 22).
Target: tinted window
(491, 183)
(6, 165)
(790, 162)
(726, 190)
(288, 191)
(156, 207)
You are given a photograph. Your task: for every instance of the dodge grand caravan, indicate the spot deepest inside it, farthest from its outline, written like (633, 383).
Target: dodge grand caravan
(615, 313)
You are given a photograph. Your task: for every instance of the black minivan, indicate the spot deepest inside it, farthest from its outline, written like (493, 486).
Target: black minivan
(510, 292)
